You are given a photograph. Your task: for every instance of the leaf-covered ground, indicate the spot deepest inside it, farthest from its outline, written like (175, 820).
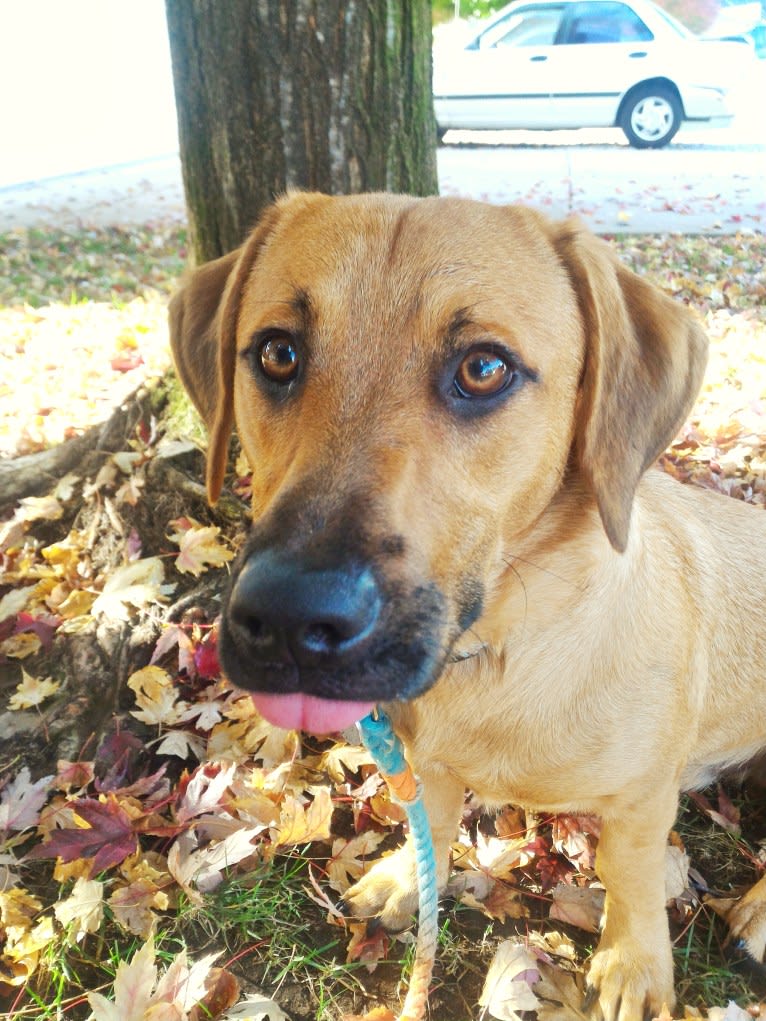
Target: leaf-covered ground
(160, 845)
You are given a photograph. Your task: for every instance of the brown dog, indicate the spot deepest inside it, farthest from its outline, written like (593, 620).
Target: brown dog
(451, 409)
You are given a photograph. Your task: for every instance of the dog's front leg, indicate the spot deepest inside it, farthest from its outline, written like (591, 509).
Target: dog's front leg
(631, 973)
(390, 888)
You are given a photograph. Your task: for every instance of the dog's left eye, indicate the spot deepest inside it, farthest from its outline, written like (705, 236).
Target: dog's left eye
(483, 373)
(278, 358)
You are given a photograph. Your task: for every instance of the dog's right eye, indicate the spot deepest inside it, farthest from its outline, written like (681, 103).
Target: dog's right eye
(277, 357)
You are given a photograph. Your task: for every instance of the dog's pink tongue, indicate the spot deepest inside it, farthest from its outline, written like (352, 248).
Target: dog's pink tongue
(307, 712)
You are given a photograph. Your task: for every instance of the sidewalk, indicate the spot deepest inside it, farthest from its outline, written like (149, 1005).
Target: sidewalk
(690, 187)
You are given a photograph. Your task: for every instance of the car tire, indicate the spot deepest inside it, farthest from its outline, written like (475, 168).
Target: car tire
(650, 116)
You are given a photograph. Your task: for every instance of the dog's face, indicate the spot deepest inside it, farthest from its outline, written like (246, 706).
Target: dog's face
(413, 381)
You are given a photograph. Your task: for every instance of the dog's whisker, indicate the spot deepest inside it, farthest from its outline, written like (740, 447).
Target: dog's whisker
(508, 559)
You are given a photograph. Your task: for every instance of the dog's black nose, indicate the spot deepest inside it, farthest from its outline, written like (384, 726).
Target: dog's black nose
(281, 610)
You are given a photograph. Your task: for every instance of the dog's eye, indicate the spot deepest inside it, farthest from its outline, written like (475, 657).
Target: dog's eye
(483, 373)
(278, 358)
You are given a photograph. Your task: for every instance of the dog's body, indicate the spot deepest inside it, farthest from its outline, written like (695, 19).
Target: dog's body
(450, 410)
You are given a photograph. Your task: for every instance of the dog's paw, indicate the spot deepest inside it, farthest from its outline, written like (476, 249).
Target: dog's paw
(389, 890)
(747, 921)
(629, 983)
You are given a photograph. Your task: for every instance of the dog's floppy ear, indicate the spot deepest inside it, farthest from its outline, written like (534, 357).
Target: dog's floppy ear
(645, 357)
(193, 321)
(203, 336)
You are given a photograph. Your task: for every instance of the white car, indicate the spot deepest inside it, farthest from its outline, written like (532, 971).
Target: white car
(588, 64)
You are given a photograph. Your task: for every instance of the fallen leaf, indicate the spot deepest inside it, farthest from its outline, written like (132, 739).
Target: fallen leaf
(199, 547)
(132, 585)
(582, 906)
(133, 906)
(83, 909)
(32, 691)
(133, 985)
(346, 865)
(299, 825)
(508, 985)
(256, 1008)
(21, 801)
(367, 945)
(156, 696)
(103, 834)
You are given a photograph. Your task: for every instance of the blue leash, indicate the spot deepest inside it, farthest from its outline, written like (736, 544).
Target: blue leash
(386, 749)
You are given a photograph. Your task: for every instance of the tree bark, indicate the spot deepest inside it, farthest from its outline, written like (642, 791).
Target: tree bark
(332, 95)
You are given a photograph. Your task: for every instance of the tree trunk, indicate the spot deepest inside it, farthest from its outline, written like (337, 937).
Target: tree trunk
(332, 95)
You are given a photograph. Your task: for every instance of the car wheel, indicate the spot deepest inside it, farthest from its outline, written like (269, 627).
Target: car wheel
(650, 116)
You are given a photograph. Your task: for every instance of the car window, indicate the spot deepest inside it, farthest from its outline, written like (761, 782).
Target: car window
(604, 22)
(532, 26)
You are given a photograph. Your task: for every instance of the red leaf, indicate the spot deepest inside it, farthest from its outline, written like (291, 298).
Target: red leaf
(206, 659)
(108, 839)
(44, 626)
(126, 362)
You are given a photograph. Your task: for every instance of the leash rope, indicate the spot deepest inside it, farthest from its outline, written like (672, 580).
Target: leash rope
(386, 749)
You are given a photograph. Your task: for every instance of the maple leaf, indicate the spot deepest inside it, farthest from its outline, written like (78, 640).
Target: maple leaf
(32, 691)
(132, 585)
(299, 825)
(83, 909)
(103, 833)
(157, 697)
(132, 906)
(582, 906)
(23, 954)
(13, 602)
(206, 660)
(676, 872)
(562, 994)
(71, 775)
(133, 986)
(342, 757)
(205, 791)
(346, 866)
(205, 865)
(21, 801)
(199, 546)
(368, 946)
(257, 1008)
(20, 646)
(221, 992)
(508, 985)
(181, 744)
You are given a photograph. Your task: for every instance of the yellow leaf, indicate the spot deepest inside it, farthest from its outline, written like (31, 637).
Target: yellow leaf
(24, 954)
(200, 549)
(20, 646)
(17, 909)
(299, 825)
(83, 909)
(133, 585)
(156, 696)
(77, 604)
(32, 691)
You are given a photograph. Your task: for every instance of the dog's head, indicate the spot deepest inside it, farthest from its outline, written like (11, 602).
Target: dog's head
(414, 382)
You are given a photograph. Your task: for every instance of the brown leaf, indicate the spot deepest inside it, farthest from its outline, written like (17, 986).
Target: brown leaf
(222, 992)
(578, 905)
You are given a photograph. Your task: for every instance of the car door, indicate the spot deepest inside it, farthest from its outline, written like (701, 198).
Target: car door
(501, 79)
(604, 48)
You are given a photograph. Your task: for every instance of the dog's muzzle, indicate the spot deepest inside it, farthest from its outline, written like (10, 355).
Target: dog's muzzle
(328, 631)
(286, 615)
